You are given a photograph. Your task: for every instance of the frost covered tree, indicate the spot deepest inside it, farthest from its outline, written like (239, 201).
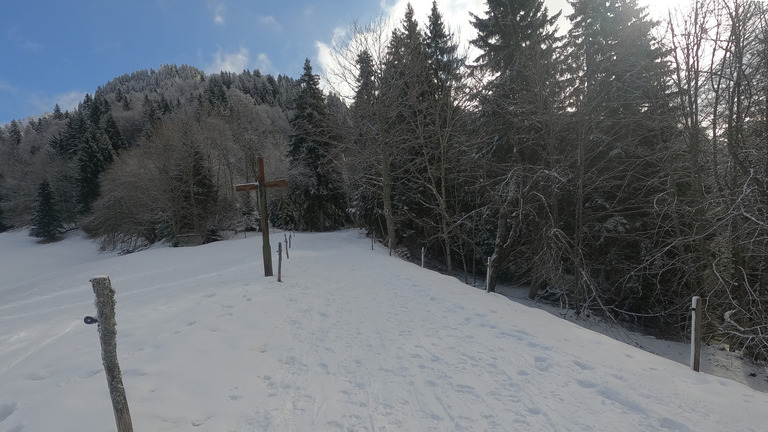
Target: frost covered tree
(624, 122)
(316, 191)
(518, 104)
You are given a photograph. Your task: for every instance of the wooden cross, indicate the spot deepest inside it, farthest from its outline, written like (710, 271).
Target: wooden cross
(261, 185)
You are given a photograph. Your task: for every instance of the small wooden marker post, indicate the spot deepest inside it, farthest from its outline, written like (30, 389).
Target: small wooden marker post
(105, 308)
(696, 333)
(280, 261)
(261, 186)
(286, 247)
(422, 257)
(488, 276)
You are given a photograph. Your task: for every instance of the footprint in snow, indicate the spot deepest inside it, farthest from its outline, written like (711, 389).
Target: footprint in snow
(586, 384)
(673, 425)
(542, 363)
(34, 376)
(583, 366)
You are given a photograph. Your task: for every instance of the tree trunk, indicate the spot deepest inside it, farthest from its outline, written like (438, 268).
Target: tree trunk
(386, 186)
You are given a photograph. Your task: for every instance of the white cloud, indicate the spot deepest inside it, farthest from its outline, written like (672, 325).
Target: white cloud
(264, 64)
(218, 10)
(22, 42)
(42, 104)
(7, 87)
(271, 23)
(455, 16)
(68, 101)
(229, 62)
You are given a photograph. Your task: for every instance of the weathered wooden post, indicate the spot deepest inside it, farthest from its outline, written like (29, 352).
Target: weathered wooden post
(280, 261)
(261, 187)
(488, 276)
(286, 251)
(696, 333)
(105, 308)
(422, 257)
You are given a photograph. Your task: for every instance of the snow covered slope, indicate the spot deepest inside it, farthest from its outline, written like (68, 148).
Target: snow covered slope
(353, 340)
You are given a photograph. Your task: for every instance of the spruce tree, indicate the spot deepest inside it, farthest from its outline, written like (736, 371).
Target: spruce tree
(112, 131)
(14, 133)
(316, 187)
(46, 223)
(57, 114)
(622, 123)
(3, 226)
(94, 156)
(518, 111)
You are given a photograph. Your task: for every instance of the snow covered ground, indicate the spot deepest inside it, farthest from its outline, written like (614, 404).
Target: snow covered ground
(353, 340)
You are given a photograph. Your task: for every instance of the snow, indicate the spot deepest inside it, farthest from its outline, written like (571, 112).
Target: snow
(353, 340)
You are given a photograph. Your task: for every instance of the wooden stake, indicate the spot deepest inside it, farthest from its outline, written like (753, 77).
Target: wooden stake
(488, 276)
(422, 257)
(696, 333)
(105, 308)
(280, 261)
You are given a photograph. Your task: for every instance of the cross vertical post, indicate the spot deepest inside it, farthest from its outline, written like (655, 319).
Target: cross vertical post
(261, 187)
(266, 248)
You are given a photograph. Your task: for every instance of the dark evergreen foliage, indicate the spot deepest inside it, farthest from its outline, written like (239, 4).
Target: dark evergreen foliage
(46, 223)
(316, 190)
(3, 226)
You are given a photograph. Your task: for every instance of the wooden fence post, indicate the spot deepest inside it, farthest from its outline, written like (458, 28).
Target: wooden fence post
(105, 308)
(696, 333)
(286, 250)
(422, 257)
(371, 242)
(488, 276)
(280, 261)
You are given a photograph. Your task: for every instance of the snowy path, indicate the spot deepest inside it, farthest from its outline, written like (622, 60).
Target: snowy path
(352, 341)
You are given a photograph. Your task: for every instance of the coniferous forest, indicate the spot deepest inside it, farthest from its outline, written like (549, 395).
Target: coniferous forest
(619, 169)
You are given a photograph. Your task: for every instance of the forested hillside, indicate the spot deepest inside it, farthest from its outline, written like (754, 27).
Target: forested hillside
(621, 168)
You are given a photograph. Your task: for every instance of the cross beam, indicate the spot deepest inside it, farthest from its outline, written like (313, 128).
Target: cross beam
(261, 186)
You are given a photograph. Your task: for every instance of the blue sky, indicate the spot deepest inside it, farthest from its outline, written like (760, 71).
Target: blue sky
(55, 51)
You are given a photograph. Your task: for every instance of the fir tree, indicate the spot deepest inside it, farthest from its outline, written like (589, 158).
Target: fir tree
(622, 122)
(442, 50)
(3, 226)
(57, 114)
(518, 106)
(316, 187)
(14, 133)
(112, 131)
(95, 155)
(46, 223)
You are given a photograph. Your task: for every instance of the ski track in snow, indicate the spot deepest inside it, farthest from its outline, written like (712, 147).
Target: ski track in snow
(353, 340)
